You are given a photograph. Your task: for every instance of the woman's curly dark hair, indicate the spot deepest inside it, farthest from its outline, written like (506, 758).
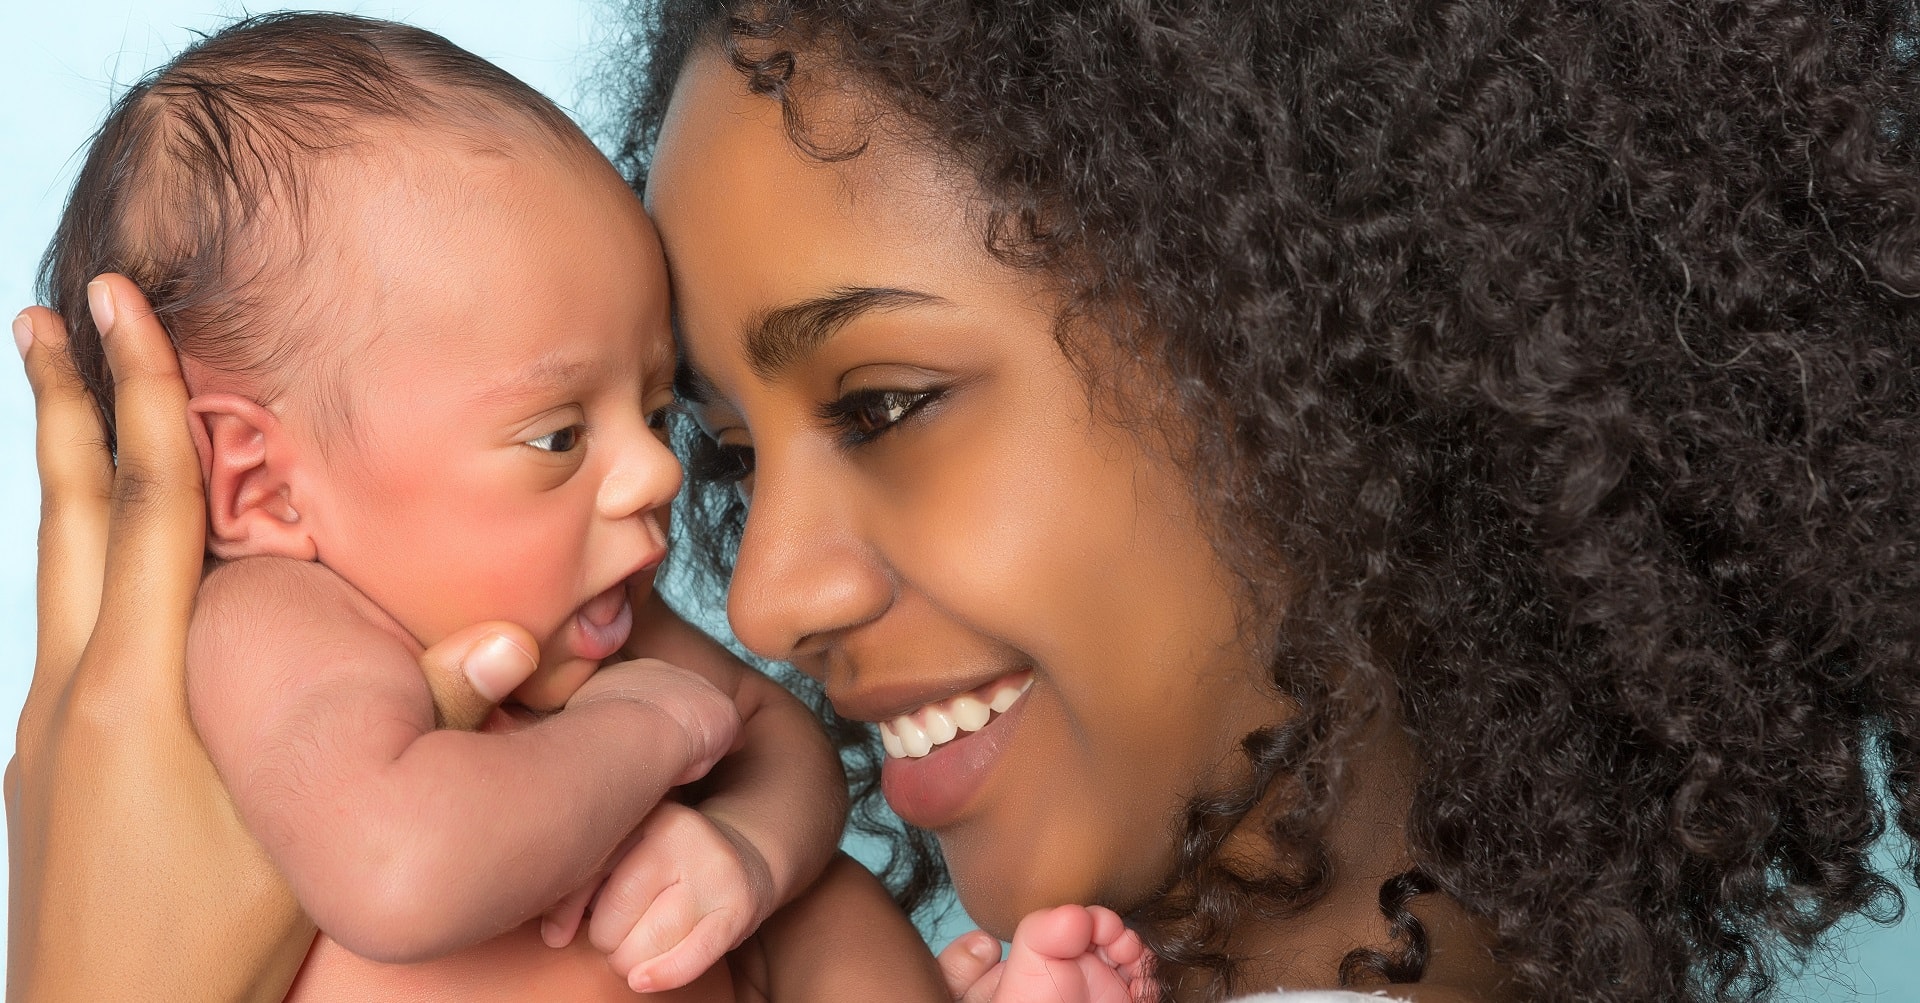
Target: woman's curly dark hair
(1553, 366)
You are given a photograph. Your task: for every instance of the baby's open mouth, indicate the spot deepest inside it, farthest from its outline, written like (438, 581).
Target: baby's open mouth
(602, 624)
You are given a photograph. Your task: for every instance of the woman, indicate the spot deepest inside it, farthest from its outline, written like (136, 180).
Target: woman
(1441, 473)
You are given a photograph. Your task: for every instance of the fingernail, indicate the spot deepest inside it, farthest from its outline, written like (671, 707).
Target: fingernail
(496, 666)
(22, 334)
(985, 949)
(100, 301)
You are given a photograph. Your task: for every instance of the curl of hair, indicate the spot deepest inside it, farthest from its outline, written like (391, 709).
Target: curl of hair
(1552, 365)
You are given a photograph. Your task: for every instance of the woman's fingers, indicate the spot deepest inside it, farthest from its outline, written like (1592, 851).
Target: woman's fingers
(472, 670)
(157, 514)
(76, 476)
(115, 817)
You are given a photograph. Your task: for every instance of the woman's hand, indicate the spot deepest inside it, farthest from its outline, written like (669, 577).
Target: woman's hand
(131, 876)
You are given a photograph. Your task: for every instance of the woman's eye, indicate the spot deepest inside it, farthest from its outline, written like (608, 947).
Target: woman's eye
(721, 463)
(564, 440)
(865, 415)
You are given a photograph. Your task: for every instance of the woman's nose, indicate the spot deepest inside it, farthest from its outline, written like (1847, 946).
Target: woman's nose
(805, 569)
(644, 476)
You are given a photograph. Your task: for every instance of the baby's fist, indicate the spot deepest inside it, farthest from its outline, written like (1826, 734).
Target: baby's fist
(707, 717)
(685, 893)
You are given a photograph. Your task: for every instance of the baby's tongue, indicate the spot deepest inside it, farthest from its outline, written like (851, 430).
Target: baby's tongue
(603, 608)
(602, 625)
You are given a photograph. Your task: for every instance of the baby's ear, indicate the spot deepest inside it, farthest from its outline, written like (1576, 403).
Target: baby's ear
(247, 460)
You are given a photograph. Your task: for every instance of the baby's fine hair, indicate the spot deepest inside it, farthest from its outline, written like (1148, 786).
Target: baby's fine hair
(196, 186)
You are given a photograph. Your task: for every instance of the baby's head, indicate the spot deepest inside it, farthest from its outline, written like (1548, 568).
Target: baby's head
(424, 323)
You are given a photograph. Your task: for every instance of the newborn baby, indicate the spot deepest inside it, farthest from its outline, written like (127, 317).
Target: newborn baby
(424, 324)
(425, 328)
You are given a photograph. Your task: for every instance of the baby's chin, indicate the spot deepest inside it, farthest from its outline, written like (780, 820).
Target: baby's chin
(591, 635)
(550, 687)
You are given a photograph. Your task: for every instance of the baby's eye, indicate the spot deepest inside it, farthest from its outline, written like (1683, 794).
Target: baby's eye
(564, 440)
(658, 421)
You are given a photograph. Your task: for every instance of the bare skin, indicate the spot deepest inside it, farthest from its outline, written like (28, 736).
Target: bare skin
(491, 470)
(972, 521)
(108, 777)
(1067, 954)
(1013, 531)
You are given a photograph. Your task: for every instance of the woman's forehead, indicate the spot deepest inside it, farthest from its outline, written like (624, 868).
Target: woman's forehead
(756, 228)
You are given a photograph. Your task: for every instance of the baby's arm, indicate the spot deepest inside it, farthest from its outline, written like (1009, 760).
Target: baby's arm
(401, 841)
(843, 940)
(695, 883)
(783, 792)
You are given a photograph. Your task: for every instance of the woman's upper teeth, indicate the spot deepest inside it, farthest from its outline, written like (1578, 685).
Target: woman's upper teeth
(914, 735)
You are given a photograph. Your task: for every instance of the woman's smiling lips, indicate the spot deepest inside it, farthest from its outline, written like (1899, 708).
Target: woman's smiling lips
(939, 755)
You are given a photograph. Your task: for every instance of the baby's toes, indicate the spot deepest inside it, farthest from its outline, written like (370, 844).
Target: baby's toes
(967, 960)
(1061, 933)
(1107, 925)
(1124, 950)
(1103, 983)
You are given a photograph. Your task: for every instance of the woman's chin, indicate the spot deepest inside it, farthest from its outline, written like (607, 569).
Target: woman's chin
(992, 902)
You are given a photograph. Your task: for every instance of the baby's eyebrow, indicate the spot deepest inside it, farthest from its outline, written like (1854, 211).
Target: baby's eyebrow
(546, 376)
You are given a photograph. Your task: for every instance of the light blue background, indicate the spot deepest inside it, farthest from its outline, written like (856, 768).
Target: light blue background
(66, 61)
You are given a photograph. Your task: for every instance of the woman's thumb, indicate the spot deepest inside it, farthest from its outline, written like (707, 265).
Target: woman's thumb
(474, 669)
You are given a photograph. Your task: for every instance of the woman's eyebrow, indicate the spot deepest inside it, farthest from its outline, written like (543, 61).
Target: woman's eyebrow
(785, 335)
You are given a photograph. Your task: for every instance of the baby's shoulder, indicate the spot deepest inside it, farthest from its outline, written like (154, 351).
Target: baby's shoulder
(265, 593)
(271, 581)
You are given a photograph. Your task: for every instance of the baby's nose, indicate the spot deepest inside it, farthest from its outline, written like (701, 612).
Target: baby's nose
(646, 476)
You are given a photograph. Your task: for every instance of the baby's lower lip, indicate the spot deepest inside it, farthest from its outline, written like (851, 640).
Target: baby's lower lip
(602, 624)
(932, 791)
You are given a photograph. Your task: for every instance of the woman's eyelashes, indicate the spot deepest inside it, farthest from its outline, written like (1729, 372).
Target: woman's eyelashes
(865, 415)
(723, 463)
(855, 419)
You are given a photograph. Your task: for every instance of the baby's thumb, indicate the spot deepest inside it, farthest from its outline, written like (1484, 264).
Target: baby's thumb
(474, 669)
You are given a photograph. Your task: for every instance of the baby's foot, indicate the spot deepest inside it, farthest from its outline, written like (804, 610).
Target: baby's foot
(1075, 954)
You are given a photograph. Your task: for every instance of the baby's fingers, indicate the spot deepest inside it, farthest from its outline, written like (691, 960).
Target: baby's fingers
(562, 921)
(692, 943)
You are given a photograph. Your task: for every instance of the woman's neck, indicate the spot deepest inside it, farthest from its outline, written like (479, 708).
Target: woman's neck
(1366, 842)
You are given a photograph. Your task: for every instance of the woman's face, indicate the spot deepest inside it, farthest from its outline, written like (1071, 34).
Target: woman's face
(938, 517)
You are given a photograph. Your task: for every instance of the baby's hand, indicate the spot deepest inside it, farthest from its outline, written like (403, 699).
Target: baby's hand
(707, 717)
(684, 892)
(1068, 954)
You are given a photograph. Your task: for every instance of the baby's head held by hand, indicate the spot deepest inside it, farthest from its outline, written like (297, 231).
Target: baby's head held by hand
(423, 320)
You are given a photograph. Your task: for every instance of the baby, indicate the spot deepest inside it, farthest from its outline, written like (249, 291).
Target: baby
(425, 328)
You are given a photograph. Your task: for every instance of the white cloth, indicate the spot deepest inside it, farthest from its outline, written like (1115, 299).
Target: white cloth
(1316, 996)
